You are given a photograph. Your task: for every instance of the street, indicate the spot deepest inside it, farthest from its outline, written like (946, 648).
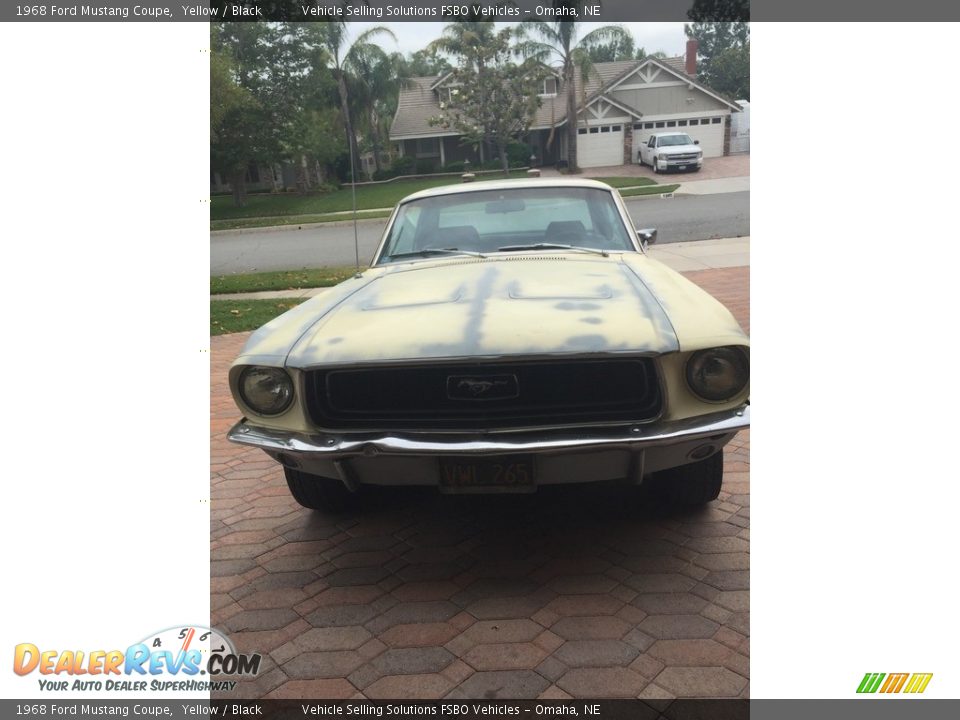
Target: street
(679, 219)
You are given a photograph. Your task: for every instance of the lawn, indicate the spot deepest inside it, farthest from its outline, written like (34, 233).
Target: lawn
(622, 182)
(280, 280)
(255, 222)
(650, 190)
(230, 316)
(290, 208)
(385, 195)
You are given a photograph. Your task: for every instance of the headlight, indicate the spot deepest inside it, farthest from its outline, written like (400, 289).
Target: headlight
(662, 158)
(266, 390)
(718, 374)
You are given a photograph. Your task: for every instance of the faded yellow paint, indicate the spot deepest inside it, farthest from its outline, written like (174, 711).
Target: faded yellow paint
(502, 306)
(506, 305)
(699, 320)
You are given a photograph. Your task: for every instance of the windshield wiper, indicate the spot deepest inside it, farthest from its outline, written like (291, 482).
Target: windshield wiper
(553, 246)
(427, 252)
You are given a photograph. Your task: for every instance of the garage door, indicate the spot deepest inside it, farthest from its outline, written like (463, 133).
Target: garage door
(709, 131)
(600, 145)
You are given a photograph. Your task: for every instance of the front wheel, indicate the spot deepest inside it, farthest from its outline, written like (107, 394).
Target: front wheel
(656, 166)
(320, 493)
(694, 484)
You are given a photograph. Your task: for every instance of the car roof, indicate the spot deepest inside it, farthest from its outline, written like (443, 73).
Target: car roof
(507, 185)
(672, 132)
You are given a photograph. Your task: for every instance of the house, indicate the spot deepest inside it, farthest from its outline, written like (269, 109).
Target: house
(621, 104)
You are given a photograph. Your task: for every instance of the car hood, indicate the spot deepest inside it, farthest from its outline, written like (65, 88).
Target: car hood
(509, 305)
(678, 149)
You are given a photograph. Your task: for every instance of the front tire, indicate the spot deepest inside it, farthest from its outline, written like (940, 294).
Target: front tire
(693, 484)
(320, 493)
(656, 166)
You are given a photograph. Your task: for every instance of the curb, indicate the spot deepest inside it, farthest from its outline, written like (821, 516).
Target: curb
(347, 220)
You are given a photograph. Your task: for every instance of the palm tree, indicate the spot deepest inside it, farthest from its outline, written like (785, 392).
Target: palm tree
(378, 80)
(558, 43)
(461, 39)
(347, 61)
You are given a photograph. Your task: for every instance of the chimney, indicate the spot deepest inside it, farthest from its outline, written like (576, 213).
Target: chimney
(691, 67)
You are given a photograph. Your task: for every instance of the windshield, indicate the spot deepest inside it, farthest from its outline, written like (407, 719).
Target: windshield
(668, 140)
(502, 221)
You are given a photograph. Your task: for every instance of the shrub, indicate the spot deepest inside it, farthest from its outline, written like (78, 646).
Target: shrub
(518, 154)
(403, 166)
(425, 167)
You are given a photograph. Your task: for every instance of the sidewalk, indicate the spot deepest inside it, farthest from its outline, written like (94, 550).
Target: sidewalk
(682, 257)
(714, 186)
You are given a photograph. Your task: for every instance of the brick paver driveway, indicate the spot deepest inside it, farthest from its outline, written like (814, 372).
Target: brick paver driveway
(570, 592)
(713, 168)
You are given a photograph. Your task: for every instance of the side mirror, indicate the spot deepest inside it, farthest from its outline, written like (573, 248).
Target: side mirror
(696, 142)
(648, 236)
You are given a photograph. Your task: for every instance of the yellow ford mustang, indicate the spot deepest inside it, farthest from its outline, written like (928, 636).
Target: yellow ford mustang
(507, 335)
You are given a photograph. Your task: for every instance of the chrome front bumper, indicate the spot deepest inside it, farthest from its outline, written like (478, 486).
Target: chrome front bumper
(407, 458)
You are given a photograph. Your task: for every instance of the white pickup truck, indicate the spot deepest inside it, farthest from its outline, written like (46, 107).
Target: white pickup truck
(671, 151)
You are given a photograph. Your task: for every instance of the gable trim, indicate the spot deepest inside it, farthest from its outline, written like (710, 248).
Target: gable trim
(619, 105)
(685, 78)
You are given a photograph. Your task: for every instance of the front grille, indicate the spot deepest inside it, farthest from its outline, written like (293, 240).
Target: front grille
(682, 157)
(488, 395)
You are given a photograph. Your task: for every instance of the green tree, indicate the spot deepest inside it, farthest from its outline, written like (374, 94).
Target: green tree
(723, 56)
(729, 72)
(377, 83)
(613, 51)
(715, 37)
(465, 41)
(226, 96)
(642, 54)
(558, 42)
(243, 121)
(728, 11)
(491, 98)
(423, 63)
(345, 60)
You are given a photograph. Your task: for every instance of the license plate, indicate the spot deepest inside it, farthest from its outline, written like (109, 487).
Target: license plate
(503, 472)
(682, 167)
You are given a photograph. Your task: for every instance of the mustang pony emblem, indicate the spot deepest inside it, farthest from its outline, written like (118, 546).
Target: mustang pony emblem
(482, 387)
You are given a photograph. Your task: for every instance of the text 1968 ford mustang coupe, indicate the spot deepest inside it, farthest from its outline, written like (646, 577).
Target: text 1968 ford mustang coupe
(508, 335)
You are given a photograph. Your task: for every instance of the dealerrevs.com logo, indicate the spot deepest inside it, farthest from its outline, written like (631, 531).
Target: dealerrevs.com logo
(182, 659)
(894, 683)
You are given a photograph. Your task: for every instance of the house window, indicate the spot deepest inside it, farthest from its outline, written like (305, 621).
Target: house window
(582, 131)
(715, 121)
(594, 131)
(660, 124)
(605, 128)
(694, 121)
(428, 147)
(253, 173)
(671, 123)
(682, 123)
(638, 126)
(615, 128)
(648, 126)
(550, 86)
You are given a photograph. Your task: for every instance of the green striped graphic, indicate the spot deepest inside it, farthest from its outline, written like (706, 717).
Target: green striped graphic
(870, 682)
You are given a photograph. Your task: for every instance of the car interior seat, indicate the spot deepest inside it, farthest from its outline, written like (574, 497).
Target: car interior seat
(565, 232)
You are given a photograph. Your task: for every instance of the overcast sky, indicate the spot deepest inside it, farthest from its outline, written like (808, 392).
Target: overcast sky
(413, 36)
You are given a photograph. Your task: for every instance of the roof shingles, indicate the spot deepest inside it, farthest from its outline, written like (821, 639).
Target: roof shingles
(418, 102)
